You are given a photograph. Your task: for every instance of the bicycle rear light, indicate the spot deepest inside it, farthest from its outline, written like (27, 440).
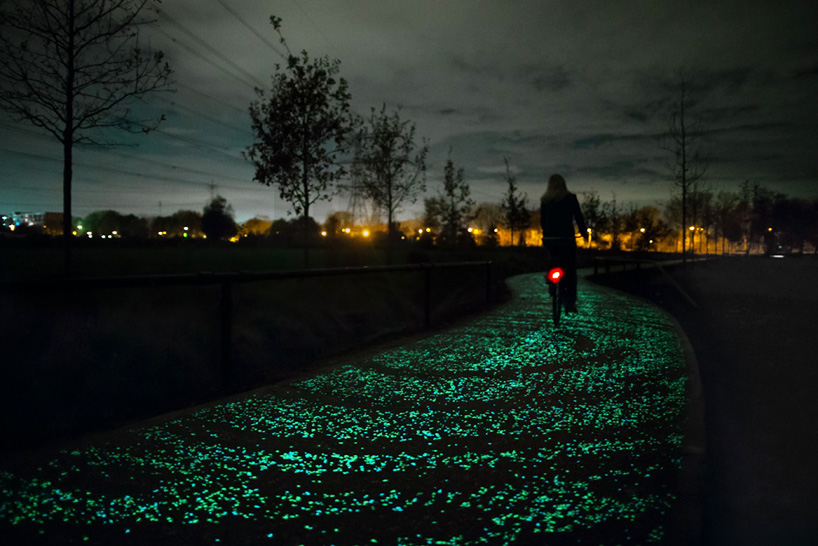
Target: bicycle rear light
(555, 275)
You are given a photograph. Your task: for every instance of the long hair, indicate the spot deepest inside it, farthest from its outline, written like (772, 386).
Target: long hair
(556, 189)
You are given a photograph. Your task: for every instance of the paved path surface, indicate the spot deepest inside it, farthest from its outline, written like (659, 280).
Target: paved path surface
(500, 431)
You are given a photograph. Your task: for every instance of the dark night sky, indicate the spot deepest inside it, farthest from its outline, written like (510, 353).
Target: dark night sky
(580, 88)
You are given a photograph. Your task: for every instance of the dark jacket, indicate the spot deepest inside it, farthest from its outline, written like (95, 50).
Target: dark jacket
(557, 219)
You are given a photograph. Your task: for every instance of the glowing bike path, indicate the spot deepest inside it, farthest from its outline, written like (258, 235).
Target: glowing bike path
(499, 431)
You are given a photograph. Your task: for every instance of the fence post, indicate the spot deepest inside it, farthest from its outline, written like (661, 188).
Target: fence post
(427, 282)
(488, 282)
(226, 318)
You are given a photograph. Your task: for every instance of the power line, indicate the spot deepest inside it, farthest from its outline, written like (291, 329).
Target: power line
(211, 97)
(124, 155)
(251, 29)
(312, 22)
(199, 144)
(215, 121)
(192, 51)
(151, 177)
(211, 49)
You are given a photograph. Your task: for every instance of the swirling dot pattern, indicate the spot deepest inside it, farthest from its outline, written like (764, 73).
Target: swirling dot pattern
(501, 431)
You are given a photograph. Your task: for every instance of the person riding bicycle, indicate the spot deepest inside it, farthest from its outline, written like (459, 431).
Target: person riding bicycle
(559, 209)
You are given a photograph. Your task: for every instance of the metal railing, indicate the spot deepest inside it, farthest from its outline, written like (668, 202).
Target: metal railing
(227, 282)
(607, 263)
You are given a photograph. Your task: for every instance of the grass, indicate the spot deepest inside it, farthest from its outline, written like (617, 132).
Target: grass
(96, 358)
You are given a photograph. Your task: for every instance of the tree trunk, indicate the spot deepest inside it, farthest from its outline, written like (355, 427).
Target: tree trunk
(390, 228)
(68, 148)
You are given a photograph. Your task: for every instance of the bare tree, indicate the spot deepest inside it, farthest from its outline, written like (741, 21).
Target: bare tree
(72, 66)
(300, 128)
(453, 205)
(389, 164)
(514, 206)
(682, 140)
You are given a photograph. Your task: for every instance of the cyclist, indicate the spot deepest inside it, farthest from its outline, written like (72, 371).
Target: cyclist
(559, 209)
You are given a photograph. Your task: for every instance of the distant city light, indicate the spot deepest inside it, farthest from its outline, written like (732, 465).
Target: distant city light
(471, 230)
(185, 228)
(79, 227)
(323, 234)
(769, 229)
(642, 230)
(420, 231)
(428, 230)
(347, 230)
(366, 233)
(692, 228)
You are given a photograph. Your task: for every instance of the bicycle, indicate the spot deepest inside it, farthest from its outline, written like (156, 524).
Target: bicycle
(557, 292)
(555, 289)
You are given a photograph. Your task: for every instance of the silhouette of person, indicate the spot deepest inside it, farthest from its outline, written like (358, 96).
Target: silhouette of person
(559, 209)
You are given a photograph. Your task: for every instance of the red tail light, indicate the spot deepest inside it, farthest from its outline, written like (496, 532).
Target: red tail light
(555, 275)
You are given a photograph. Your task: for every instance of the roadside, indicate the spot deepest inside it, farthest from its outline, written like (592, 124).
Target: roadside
(754, 337)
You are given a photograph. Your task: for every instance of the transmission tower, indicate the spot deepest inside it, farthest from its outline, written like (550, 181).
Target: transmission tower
(357, 204)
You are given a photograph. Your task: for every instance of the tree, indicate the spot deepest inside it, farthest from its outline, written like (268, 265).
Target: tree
(306, 110)
(681, 139)
(614, 219)
(389, 164)
(488, 217)
(646, 226)
(725, 209)
(337, 221)
(453, 204)
(133, 227)
(72, 66)
(514, 206)
(217, 219)
(256, 227)
(593, 214)
(102, 222)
